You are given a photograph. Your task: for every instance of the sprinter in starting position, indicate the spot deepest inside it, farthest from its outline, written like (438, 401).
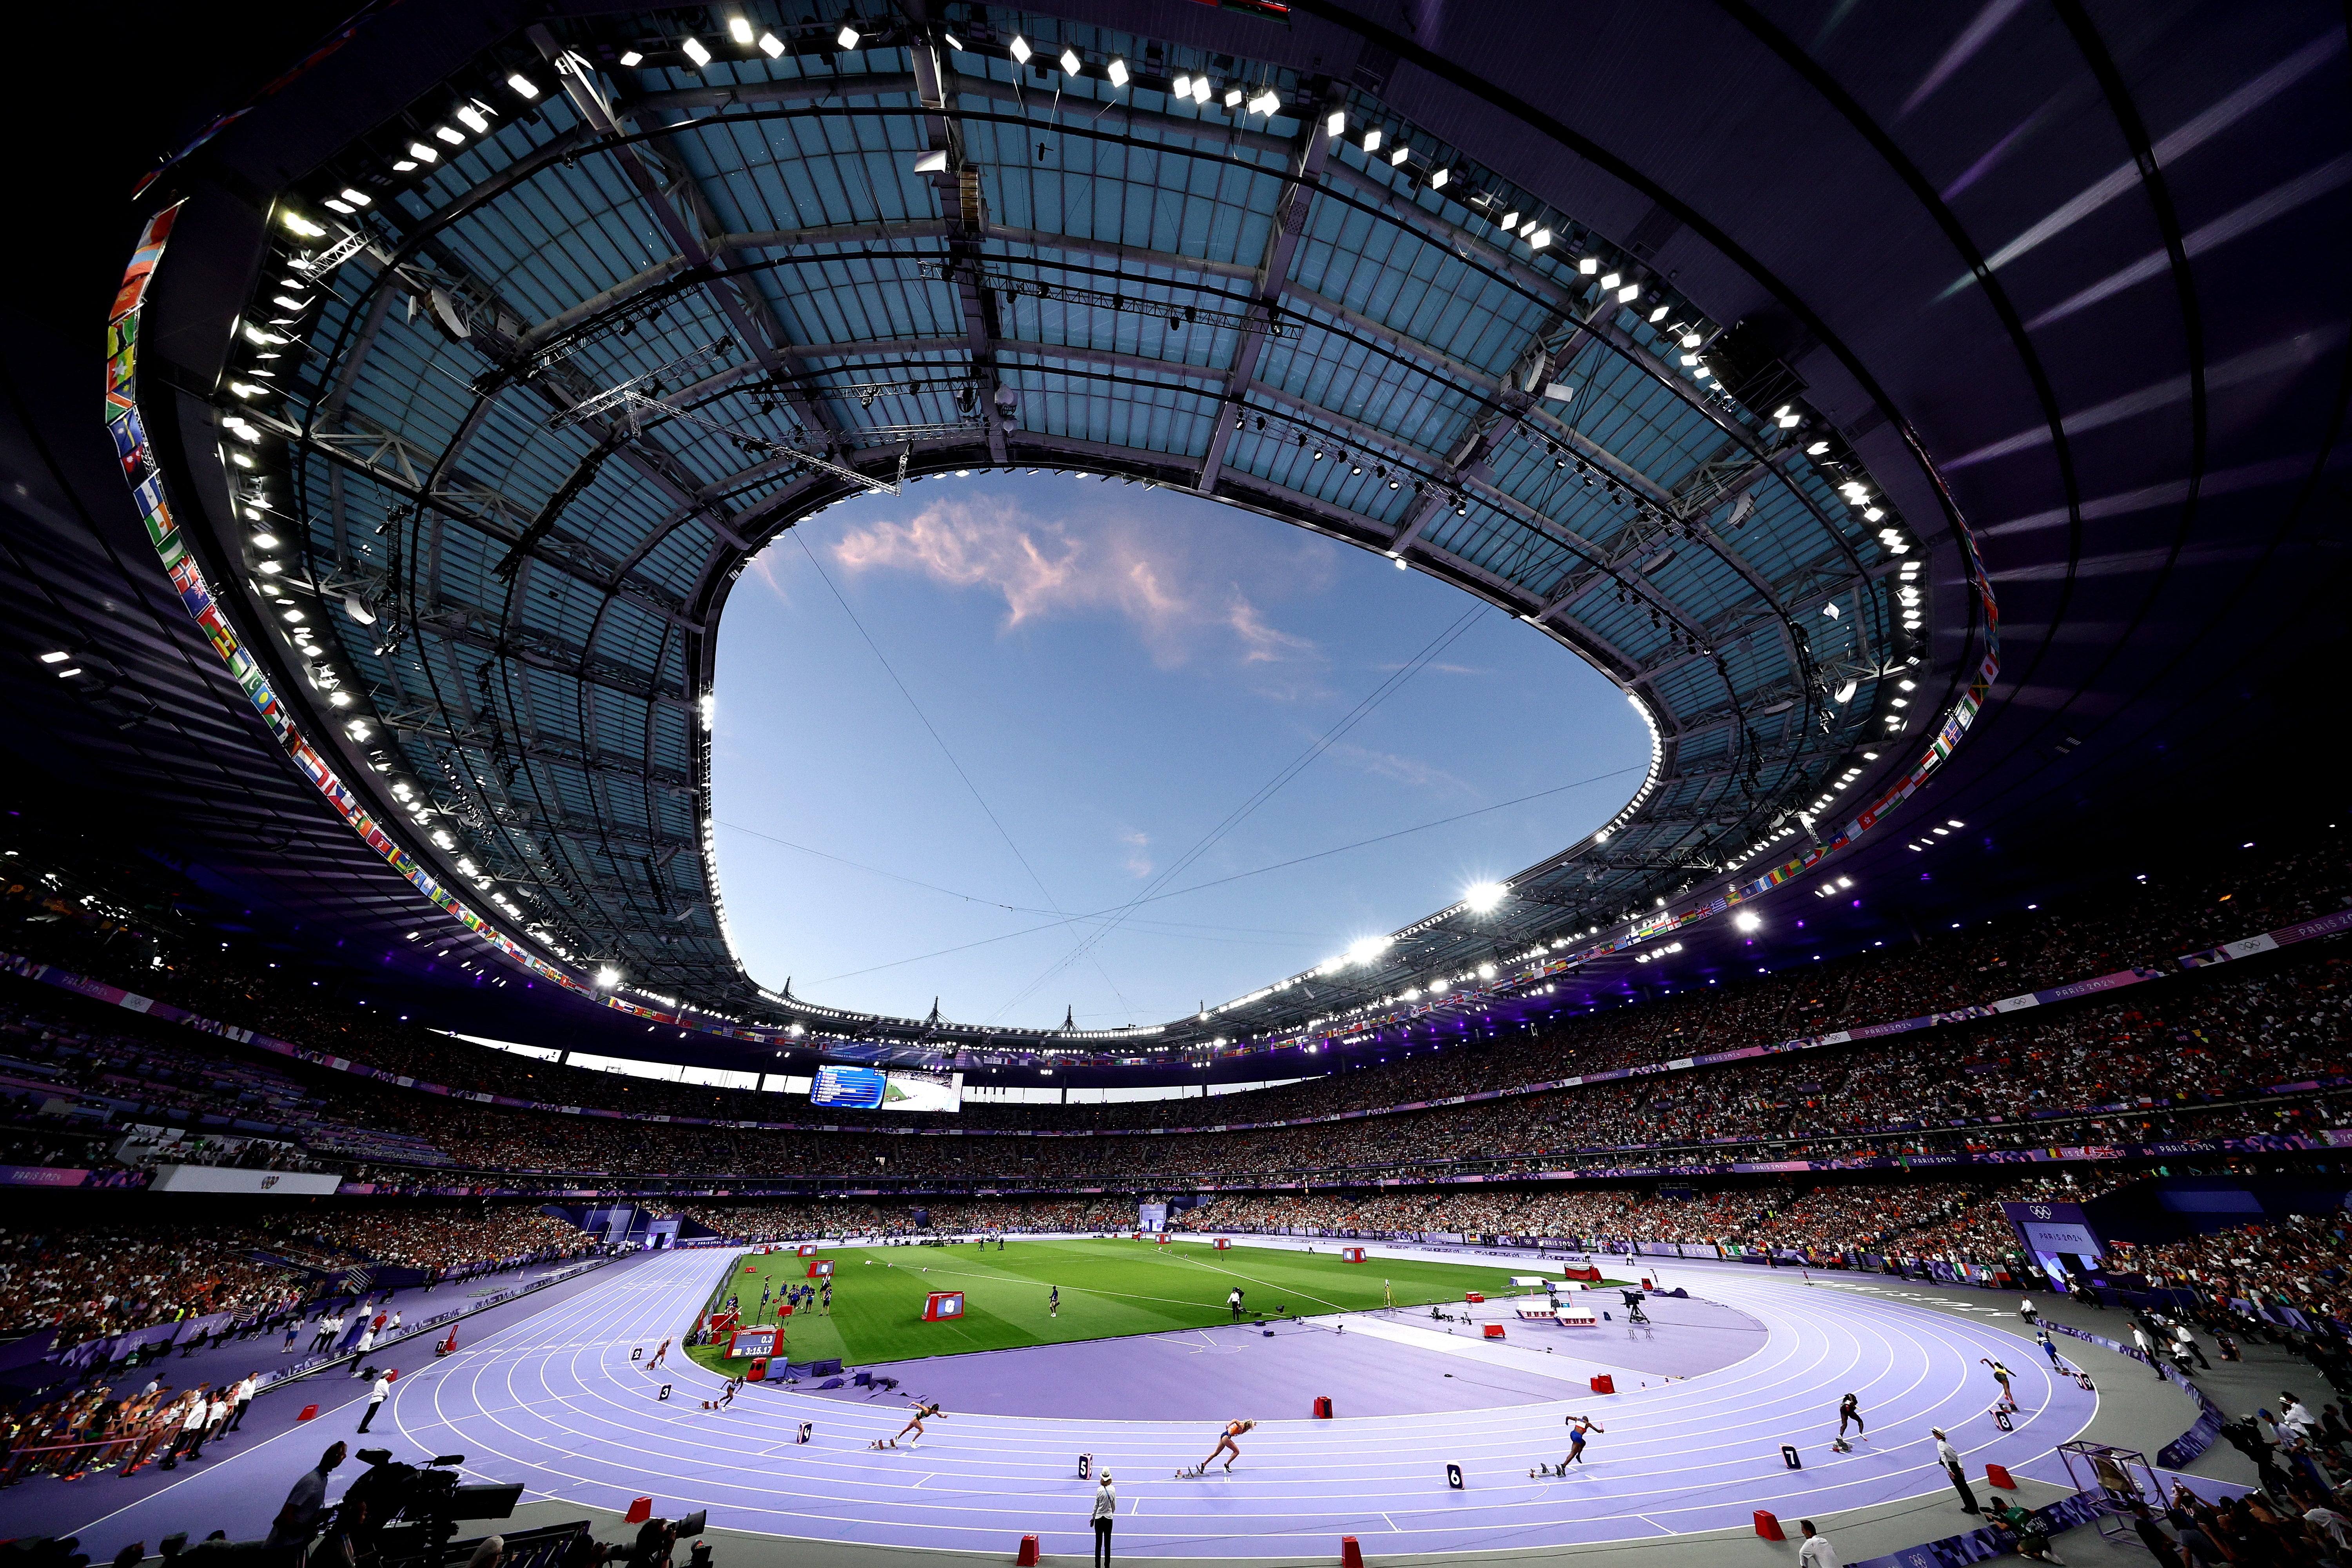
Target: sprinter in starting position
(1225, 1444)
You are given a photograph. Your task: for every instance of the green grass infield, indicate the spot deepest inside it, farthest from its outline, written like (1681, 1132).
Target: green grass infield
(1109, 1287)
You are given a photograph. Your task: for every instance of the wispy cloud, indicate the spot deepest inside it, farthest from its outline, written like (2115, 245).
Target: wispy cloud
(766, 571)
(1404, 770)
(1137, 863)
(1176, 603)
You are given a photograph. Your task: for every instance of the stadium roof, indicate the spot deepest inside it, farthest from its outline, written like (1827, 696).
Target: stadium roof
(484, 353)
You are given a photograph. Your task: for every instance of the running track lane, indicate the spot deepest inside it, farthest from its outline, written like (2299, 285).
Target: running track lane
(555, 1402)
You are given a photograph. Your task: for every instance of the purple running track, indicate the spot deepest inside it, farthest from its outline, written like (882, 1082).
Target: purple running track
(555, 1402)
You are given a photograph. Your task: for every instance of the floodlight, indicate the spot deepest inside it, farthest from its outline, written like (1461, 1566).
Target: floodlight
(846, 37)
(1337, 124)
(695, 51)
(1117, 71)
(1485, 896)
(1071, 63)
(738, 29)
(1020, 50)
(772, 46)
(1746, 920)
(523, 86)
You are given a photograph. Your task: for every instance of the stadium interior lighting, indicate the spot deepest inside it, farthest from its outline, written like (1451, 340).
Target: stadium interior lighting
(1020, 51)
(1117, 71)
(1369, 948)
(1337, 125)
(631, 58)
(1372, 140)
(522, 85)
(1484, 896)
(607, 977)
(58, 657)
(847, 38)
(1070, 62)
(739, 29)
(1182, 88)
(952, 42)
(1748, 919)
(695, 51)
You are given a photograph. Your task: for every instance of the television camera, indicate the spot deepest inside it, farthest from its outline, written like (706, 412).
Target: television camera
(408, 1513)
(654, 1544)
(1634, 1300)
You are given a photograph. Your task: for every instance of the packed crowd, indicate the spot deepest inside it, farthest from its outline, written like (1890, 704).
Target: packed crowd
(792, 1221)
(2303, 1261)
(93, 1281)
(2195, 1061)
(2143, 922)
(447, 1241)
(1957, 1221)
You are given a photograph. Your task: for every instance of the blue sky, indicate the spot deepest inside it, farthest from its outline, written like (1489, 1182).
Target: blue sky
(1098, 681)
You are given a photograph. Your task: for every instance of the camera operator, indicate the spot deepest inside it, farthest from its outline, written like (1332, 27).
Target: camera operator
(656, 1540)
(298, 1522)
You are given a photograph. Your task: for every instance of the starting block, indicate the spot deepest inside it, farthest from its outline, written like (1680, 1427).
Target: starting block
(1998, 1476)
(1768, 1526)
(639, 1512)
(1840, 1446)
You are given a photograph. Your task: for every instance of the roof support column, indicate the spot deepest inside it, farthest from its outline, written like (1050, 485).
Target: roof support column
(1308, 150)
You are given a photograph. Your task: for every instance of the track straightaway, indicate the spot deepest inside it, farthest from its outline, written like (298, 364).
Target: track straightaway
(556, 1403)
